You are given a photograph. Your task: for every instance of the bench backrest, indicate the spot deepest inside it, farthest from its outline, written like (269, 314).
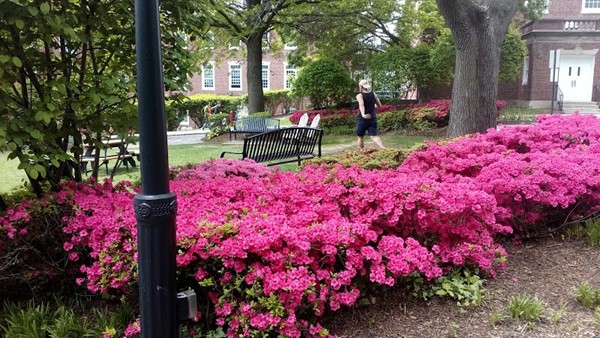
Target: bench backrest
(294, 143)
(256, 124)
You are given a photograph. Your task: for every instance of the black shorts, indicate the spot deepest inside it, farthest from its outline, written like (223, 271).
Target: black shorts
(366, 126)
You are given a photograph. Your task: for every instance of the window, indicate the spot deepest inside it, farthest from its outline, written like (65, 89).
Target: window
(546, 7)
(525, 75)
(235, 76)
(290, 74)
(591, 6)
(265, 76)
(208, 76)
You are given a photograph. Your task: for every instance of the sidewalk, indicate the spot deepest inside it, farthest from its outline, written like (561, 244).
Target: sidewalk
(187, 132)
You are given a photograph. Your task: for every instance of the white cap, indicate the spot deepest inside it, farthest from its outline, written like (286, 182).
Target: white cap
(365, 84)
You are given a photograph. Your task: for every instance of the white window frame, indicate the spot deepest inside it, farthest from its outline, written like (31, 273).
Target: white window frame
(266, 83)
(287, 70)
(546, 7)
(525, 75)
(235, 64)
(590, 10)
(205, 78)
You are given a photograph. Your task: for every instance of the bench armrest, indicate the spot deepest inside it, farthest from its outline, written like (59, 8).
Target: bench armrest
(230, 152)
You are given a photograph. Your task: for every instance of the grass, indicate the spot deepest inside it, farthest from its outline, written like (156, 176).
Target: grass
(525, 307)
(12, 178)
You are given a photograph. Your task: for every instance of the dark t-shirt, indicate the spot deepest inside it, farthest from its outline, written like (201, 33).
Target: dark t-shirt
(369, 102)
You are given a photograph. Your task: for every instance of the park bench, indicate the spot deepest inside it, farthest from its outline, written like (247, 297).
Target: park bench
(253, 125)
(281, 146)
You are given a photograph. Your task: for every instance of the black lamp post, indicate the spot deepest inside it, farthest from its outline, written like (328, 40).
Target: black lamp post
(155, 207)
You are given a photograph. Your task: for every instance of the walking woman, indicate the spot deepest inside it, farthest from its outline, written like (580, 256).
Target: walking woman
(366, 121)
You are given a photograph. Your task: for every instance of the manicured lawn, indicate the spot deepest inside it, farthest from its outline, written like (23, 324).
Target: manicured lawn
(181, 154)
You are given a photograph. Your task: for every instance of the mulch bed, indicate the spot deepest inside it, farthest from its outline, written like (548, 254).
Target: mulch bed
(547, 268)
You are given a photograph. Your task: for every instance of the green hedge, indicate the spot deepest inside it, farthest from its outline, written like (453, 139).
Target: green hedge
(194, 105)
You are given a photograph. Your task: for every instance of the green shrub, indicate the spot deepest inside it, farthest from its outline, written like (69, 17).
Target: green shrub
(338, 124)
(461, 285)
(279, 98)
(261, 114)
(392, 121)
(325, 82)
(219, 124)
(194, 106)
(368, 159)
(588, 296)
(31, 321)
(525, 307)
(593, 231)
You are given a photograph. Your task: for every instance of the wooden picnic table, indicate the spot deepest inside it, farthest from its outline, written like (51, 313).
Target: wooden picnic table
(121, 156)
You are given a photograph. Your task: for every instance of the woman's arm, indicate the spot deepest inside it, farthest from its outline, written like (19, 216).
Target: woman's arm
(361, 106)
(377, 102)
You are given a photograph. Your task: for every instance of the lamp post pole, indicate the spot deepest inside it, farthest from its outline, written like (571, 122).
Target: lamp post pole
(155, 207)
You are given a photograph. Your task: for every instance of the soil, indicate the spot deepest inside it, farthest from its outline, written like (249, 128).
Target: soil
(547, 268)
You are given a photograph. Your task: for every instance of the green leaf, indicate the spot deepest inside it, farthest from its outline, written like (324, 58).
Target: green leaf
(33, 173)
(36, 134)
(12, 146)
(55, 162)
(4, 58)
(40, 115)
(33, 11)
(45, 8)
(17, 61)
(40, 169)
(19, 23)
(23, 165)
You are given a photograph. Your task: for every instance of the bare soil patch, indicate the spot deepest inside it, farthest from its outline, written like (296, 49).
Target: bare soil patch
(548, 268)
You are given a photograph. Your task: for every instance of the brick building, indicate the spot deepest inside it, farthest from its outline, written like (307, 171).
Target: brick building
(228, 75)
(569, 29)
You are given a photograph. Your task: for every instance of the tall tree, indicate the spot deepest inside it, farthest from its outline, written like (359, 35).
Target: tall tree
(68, 65)
(249, 21)
(478, 29)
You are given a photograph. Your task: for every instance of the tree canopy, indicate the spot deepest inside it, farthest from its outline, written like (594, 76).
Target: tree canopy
(68, 67)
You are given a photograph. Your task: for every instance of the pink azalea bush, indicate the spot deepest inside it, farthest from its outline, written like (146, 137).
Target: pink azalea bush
(295, 117)
(275, 251)
(271, 249)
(534, 172)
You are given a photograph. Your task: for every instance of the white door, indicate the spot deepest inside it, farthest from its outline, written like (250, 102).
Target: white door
(576, 77)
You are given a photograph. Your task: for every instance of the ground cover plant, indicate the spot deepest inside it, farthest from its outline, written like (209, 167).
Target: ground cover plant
(419, 116)
(273, 252)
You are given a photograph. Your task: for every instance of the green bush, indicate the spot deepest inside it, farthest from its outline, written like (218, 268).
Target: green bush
(392, 121)
(279, 98)
(219, 124)
(261, 114)
(325, 82)
(339, 124)
(194, 106)
(368, 158)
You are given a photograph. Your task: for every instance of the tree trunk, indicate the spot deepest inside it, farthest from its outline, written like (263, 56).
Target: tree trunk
(256, 100)
(478, 29)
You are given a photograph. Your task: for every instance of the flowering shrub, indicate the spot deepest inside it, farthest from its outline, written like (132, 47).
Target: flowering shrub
(534, 172)
(274, 251)
(32, 260)
(295, 117)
